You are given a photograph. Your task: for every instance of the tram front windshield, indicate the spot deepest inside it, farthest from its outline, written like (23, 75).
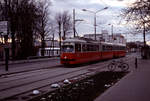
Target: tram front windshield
(67, 48)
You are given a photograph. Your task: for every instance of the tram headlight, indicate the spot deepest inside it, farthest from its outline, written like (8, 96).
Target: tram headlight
(65, 57)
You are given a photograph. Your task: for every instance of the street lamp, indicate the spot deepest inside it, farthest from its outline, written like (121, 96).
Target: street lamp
(145, 52)
(95, 17)
(112, 31)
(74, 22)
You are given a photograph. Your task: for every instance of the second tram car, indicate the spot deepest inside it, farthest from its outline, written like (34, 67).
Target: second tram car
(81, 50)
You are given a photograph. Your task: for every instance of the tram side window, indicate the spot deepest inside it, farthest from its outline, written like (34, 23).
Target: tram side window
(88, 47)
(122, 48)
(115, 48)
(84, 48)
(118, 47)
(103, 48)
(107, 48)
(100, 48)
(78, 47)
(91, 48)
(96, 48)
(110, 47)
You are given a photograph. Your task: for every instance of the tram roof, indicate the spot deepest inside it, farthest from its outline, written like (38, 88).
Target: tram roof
(114, 44)
(87, 40)
(74, 40)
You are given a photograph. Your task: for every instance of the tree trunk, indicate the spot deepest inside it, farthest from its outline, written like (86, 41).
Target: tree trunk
(60, 37)
(43, 47)
(13, 46)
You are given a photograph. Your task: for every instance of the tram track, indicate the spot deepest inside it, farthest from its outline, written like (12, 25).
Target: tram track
(73, 73)
(23, 76)
(36, 80)
(26, 71)
(7, 81)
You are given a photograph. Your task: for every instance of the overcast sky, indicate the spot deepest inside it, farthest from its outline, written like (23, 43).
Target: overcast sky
(104, 17)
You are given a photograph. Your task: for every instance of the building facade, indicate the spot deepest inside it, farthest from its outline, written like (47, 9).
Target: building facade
(105, 37)
(51, 48)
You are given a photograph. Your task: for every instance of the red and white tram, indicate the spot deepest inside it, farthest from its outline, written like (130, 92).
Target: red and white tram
(81, 50)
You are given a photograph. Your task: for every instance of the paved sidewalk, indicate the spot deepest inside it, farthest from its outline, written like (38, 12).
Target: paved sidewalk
(135, 86)
(33, 64)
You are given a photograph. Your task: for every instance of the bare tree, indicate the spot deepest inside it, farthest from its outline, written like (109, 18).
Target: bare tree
(22, 16)
(63, 20)
(43, 26)
(66, 24)
(27, 21)
(139, 14)
(8, 12)
(52, 31)
(58, 19)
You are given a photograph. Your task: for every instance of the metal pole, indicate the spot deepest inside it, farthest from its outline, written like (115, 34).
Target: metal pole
(95, 25)
(74, 23)
(6, 58)
(53, 43)
(6, 52)
(144, 35)
(112, 30)
(95, 18)
(136, 65)
(60, 37)
(145, 51)
(112, 33)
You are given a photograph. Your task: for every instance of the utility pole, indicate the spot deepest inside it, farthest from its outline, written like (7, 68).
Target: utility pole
(74, 30)
(6, 52)
(53, 43)
(95, 18)
(95, 25)
(144, 34)
(145, 50)
(112, 33)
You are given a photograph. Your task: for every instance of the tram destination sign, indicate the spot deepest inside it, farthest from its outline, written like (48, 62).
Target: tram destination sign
(4, 27)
